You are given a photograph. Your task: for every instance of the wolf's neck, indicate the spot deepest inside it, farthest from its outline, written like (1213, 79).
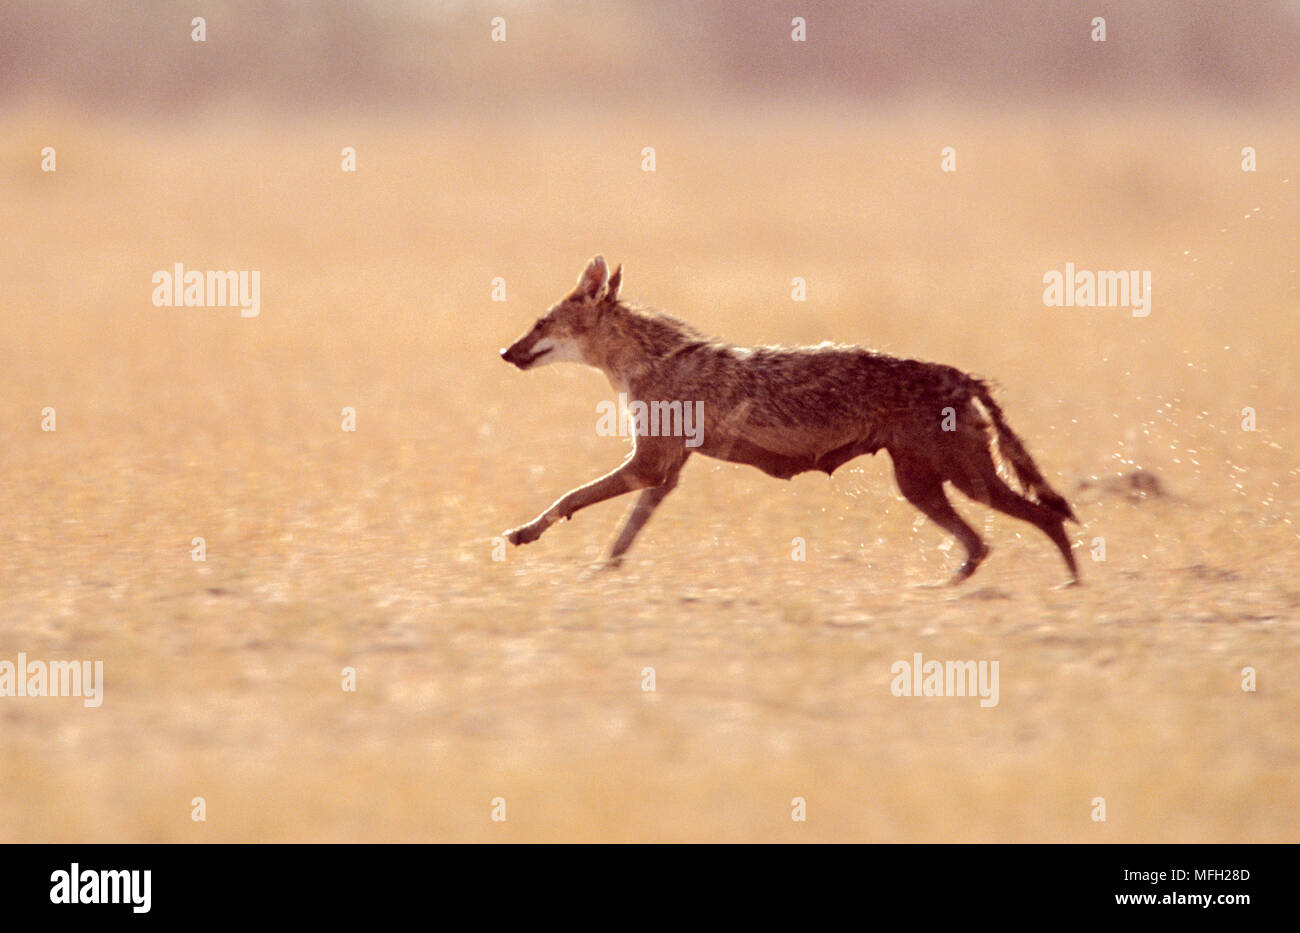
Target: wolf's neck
(638, 343)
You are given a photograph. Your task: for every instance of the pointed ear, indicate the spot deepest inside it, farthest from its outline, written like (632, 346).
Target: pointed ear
(594, 280)
(615, 281)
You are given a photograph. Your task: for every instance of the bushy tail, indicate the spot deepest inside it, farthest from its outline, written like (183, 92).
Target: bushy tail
(1013, 451)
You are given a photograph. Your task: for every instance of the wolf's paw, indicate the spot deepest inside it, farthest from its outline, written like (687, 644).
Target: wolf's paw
(524, 534)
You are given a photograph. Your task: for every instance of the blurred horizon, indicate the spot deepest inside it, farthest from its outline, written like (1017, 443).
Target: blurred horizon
(415, 55)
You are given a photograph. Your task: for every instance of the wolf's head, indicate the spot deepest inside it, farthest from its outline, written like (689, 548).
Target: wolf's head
(567, 332)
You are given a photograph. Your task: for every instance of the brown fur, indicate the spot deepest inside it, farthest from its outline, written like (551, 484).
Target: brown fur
(788, 410)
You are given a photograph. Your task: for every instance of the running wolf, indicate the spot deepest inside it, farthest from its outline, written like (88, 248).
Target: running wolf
(786, 410)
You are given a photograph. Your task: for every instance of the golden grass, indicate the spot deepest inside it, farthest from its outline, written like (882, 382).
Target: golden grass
(480, 679)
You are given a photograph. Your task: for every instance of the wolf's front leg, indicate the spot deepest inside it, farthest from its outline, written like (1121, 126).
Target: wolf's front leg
(626, 478)
(646, 504)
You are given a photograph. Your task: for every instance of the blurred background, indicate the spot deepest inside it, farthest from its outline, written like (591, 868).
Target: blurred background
(494, 169)
(425, 55)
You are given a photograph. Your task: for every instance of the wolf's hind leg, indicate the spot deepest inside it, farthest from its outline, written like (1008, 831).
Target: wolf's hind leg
(923, 487)
(981, 482)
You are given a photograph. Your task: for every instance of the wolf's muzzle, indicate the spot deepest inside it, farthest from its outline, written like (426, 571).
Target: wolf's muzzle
(522, 359)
